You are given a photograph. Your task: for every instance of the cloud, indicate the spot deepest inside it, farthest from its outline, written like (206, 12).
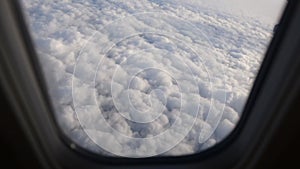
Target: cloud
(171, 81)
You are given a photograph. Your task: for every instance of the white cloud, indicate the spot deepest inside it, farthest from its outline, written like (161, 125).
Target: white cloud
(150, 81)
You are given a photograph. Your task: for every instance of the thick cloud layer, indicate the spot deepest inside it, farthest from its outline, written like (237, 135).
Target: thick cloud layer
(144, 78)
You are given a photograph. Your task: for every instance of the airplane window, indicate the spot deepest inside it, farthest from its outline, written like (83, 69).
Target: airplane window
(150, 77)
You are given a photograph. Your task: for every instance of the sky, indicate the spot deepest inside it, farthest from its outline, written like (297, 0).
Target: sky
(267, 10)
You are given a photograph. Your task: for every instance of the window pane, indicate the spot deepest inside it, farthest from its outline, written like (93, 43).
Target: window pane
(150, 77)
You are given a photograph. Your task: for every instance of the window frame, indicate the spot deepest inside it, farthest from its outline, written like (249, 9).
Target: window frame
(34, 110)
